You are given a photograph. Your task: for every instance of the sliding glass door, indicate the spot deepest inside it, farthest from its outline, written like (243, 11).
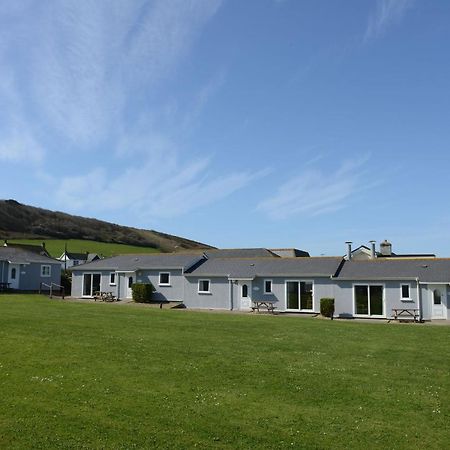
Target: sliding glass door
(91, 284)
(299, 295)
(368, 300)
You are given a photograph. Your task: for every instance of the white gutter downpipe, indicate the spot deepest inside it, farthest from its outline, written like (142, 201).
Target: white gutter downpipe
(419, 303)
(230, 293)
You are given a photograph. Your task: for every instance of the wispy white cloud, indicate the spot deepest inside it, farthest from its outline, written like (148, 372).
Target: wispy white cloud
(387, 13)
(314, 192)
(18, 146)
(160, 188)
(81, 63)
(84, 74)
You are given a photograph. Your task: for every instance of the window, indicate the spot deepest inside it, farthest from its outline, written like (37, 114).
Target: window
(267, 286)
(203, 287)
(76, 262)
(306, 295)
(244, 291)
(91, 284)
(164, 279)
(368, 300)
(437, 299)
(130, 282)
(13, 273)
(299, 295)
(405, 292)
(45, 271)
(112, 278)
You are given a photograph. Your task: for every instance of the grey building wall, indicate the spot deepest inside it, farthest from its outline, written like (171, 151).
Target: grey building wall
(174, 292)
(227, 295)
(3, 271)
(77, 282)
(219, 298)
(425, 298)
(344, 301)
(322, 287)
(30, 276)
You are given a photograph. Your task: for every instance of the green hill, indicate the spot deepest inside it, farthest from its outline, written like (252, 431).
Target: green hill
(23, 222)
(56, 247)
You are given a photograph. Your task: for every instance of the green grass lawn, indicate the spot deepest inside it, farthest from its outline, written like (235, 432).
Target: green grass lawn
(56, 247)
(75, 375)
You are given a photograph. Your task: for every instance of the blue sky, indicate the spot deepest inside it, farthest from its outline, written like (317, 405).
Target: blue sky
(274, 123)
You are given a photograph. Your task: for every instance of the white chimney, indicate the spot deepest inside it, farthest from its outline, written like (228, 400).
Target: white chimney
(349, 250)
(386, 248)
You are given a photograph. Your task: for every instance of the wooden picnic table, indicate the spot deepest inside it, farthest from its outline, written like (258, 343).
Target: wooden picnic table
(104, 296)
(264, 305)
(405, 314)
(4, 286)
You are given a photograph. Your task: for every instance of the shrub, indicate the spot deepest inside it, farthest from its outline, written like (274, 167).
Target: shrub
(327, 307)
(66, 281)
(142, 292)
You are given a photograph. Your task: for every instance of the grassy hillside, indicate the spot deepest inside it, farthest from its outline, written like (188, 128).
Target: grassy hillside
(76, 375)
(56, 247)
(19, 221)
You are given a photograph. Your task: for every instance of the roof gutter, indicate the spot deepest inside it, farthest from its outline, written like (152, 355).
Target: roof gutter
(375, 278)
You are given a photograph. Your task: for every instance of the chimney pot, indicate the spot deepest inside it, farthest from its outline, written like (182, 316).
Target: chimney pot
(386, 248)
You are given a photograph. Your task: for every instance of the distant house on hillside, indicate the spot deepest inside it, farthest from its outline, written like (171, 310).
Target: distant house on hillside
(22, 269)
(70, 259)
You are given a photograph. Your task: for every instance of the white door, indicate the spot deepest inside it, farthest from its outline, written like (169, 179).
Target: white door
(438, 297)
(130, 281)
(245, 294)
(13, 276)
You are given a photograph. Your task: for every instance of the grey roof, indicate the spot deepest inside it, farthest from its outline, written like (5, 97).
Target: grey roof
(142, 261)
(40, 249)
(289, 252)
(24, 256)
(240, 253)
(251, 267)
(435, 270)
(77, 256)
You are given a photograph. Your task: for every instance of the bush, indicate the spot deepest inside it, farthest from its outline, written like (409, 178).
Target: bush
(327, 307)
(66, 281)
(142, 292)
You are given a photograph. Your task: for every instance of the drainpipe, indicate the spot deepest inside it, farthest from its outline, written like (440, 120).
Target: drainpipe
(419, 303)
(184, 283)
(118, 286)
(230, 293)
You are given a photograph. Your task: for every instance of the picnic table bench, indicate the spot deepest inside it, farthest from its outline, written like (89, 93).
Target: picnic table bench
(264, 305)
(405, 314)
(104, 296)
(4, 286)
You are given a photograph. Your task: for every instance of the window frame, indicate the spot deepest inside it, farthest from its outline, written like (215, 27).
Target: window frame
(209, 286)
(159, 279)
(383, 300)
(43, 274)
(409, 291)
(300, 281)
(112, 283)
(266, 292)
